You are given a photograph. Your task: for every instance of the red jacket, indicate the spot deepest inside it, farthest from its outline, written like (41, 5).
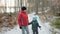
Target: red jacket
(22, 18)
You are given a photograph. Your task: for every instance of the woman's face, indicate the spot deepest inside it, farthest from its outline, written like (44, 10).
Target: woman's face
(25, 10)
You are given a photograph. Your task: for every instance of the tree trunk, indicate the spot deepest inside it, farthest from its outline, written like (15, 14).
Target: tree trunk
(5, 7)
(36, 6)
(21, 3)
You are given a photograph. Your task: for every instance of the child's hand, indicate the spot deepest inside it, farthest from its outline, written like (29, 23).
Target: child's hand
(39, 26)
(28, 23)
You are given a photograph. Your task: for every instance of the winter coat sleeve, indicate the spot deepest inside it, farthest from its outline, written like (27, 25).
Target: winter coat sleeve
(30, 22)
(38, 25)
(19, 19)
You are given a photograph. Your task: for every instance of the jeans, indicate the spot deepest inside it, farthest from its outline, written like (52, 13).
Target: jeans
(25, 28)
(35, 31)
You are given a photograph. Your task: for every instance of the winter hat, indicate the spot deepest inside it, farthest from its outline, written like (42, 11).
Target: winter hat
(35, 17)
(23, 8)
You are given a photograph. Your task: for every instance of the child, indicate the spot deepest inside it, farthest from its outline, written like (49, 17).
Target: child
(35, 25)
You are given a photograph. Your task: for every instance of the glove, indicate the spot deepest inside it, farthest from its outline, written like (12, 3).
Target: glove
(20, 27)
(39, 26)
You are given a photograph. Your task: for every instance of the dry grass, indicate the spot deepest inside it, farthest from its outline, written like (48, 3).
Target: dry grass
(8, 21)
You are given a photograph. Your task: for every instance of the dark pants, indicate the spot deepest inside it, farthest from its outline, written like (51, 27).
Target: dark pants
(35, 31)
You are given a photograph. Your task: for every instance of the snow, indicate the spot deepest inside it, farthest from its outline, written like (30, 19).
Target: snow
(44, 27)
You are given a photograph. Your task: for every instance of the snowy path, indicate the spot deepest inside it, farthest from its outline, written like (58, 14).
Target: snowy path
(44, 28)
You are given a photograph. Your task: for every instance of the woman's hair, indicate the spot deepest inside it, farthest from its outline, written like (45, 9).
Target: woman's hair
(23, 8)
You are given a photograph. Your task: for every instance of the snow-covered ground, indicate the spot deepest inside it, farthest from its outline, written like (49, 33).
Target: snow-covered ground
(44, 27)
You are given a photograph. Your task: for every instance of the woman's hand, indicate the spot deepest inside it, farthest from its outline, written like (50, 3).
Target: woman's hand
(20, 27)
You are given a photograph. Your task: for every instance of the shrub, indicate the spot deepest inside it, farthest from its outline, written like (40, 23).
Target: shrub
(56, 23)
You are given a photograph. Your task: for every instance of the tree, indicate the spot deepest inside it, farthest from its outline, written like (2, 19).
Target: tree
(21, 3)
(36, 6)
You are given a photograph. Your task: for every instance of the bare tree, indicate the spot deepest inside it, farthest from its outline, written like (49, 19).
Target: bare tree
(36, 6)
(21, 3)
(5, 7)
